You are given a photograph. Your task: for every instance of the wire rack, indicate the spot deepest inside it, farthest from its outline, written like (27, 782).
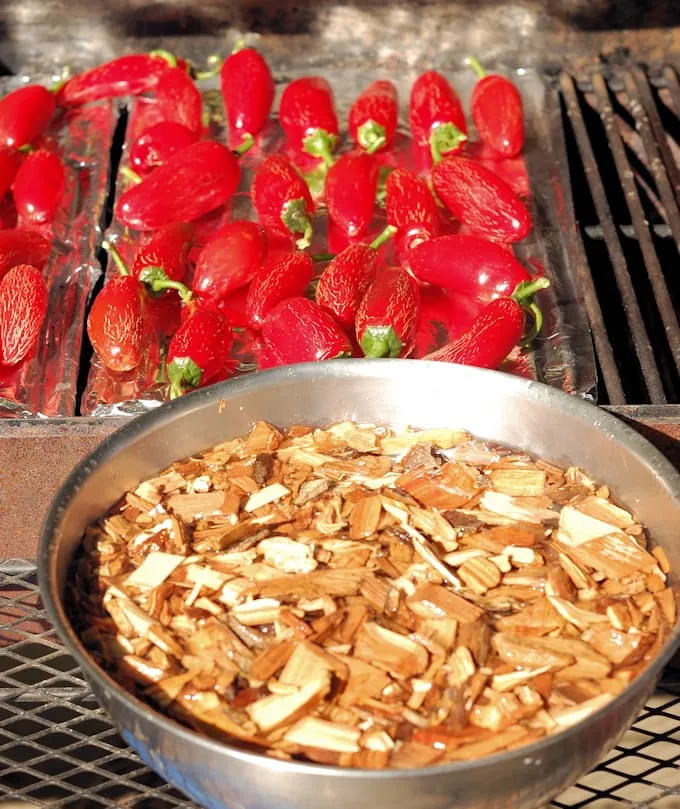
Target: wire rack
(58, 749)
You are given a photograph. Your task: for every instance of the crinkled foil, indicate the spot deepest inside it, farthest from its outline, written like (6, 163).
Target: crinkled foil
(46, 384)
(562, 356)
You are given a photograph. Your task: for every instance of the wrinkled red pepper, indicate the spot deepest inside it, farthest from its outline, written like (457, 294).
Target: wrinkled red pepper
(345, 281)
(496, 330)
(198, 354)
(281, 197)
(387, 316)
(298, 330)
(23, 307)
(285, 277)
(480, 199)
(468, 265)
(411, 209)
(436, 116)
(193, 182)
(117, 325)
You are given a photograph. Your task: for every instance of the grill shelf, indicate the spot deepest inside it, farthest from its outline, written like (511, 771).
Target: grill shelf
(622, 127)
(622, 130)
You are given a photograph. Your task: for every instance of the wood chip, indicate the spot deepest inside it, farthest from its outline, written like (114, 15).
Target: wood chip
(359, 597)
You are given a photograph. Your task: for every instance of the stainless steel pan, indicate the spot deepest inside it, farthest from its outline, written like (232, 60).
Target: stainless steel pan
(492, 405)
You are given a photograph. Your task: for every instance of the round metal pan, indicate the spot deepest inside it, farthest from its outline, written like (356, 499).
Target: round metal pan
(492, 405)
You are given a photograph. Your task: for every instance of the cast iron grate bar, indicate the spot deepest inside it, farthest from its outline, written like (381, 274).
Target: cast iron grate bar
(623, 282)
(623, 166)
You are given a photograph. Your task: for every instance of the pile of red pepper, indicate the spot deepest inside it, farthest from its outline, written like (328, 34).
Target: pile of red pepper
(32, 184)
(443, 256)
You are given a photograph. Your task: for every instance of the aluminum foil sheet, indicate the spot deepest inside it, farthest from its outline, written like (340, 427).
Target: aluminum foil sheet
(561, 357)
(46, 385)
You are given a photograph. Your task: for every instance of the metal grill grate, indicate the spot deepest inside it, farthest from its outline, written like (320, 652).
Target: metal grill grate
(623, 138)
(58, 749)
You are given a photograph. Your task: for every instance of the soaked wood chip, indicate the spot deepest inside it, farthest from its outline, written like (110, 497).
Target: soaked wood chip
(360, 597)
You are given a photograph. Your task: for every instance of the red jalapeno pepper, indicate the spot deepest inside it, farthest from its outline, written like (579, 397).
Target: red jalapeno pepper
(247, 87)
(480, 199)
(23, 307)
(373, 116)
(442, 316)
(344, 282)
(287, 276)
(193, 182)
(131, 74)
(497, 111)
(25, 114)
(436, 115)
(281, 197)
(410, 208)
(495, 331)
(229, 260)
(167, 248)
(351, 186)
(117, 325)
(39, 186)
(387, 316)
(468, 265)
(22, 247)
(177, 99)
(156, 145)
(199, 352)
(298, 330)
(307, 116)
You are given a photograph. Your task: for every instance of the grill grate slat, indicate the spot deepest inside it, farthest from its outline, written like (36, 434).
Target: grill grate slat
(638, 332)
(641, 229)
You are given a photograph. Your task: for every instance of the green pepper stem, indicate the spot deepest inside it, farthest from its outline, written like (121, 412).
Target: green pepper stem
(121, 266)
(214, 64)
(474, 63)
(383, 236)
(247, 141)
(371, 136)
(525, 289)
(320, 144)
(444, 139)
(306, 239)
(130, 175)
(523, 294)
(159, 284)
(170, 58)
